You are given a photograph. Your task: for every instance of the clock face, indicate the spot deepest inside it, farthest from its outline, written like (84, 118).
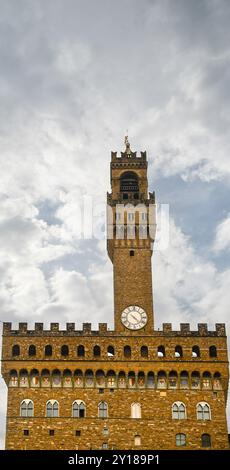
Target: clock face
(134, 317)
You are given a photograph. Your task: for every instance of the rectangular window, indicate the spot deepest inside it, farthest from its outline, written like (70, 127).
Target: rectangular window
(81, 413)
(101, 390)
(118, 216)
(144, 216)
(26, 432)
(104, 445)
(77, 433)
(130, 217)
(137, 440)
(51, 432)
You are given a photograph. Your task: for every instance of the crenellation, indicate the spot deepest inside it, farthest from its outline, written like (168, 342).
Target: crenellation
(103, 327)
(7, 327)
(23, 327)
(38, 327)
(70, 327)
(87, 328)
(54, 330)
(185, 328)
(167, 328)
(203, 329)
(220, 329)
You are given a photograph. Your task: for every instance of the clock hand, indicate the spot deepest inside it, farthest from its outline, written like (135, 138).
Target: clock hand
(134, 317)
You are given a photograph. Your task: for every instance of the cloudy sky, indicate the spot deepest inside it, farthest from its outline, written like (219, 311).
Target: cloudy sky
(74, 75)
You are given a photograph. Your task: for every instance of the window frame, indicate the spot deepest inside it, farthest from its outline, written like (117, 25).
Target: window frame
(80, 407)
(25, 407)
(177, 412)
(179, 442)
(54, 410)
(103, 409)
(200, 414)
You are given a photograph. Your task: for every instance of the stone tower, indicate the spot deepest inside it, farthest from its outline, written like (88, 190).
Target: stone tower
(131, 231)
(128, 388)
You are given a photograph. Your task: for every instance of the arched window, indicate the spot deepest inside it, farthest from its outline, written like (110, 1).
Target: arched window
(78, 378)
(144, 351)
(161, 351)
(13, 378)
(67, 378)
(32, 350)
(206, 440)
(135, 410)
(212, 351)
(178, 410)
(56, 378)
(203, 411)
(141, 379)
(178, 351)
(103, 409)
(217, 381)
(207, 380)
(184, 379)
(127, 351)
(195, 351)
(45, 378)
(195, 379)
(111, 379)
(52, 409)
(173, 379)
(100, 378)
(78, 409)
(27, 409)
(97, 351)
(180, 440)
(89, 378)
(34, 378)
(81, 351)
(48, 350)
(131, 379)
(16, 350)
(150, 380)
(121, 379)
(24, 380)
(110, 351)
(161, 379)
(64, 350)
(129, 182)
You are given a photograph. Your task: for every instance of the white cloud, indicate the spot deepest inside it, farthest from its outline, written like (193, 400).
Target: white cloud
(187, 287)
(222, 239)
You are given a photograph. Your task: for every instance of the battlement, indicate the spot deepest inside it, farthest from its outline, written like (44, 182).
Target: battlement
(104, 330)
(128, 155)
(129, 160)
